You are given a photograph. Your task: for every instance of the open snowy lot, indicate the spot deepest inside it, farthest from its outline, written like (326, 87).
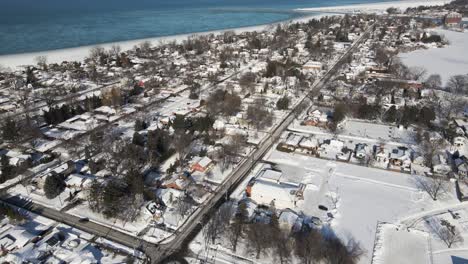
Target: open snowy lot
(361, 131)
(399, 245)
(448, 61)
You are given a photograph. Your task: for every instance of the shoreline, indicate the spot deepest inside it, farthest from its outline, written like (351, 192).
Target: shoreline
(13, 61)
(80, 53)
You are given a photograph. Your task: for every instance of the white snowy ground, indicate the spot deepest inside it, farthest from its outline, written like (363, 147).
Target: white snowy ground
(399, 245)
(37, 195)
(132, 228)
(447, 61)
(376, 7)
(365, 195)
(361, 132)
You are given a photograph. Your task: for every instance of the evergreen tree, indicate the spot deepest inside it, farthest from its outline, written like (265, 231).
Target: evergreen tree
(140, 125)
(391, 115)
(283, 103)
(54, 185)
(10, 129)
(138, 139)
(7, 169)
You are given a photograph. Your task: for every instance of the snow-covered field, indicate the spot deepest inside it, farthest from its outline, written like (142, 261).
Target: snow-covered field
(447, 61)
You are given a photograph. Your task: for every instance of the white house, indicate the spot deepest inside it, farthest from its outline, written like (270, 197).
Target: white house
(269, 188)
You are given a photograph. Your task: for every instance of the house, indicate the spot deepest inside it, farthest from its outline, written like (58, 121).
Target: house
(381, 155)
(360, 151)
(289, 220)
(106, 111)
(153, 210)
(461, 124)
(292, 141)
(171, 218)
(398, 156)
(461, 167)
(453, 19)
(169, 197)
(201, 164)
(330, 148)
(268, 188)
(316, 118)
(78, 181)
(309, 144)
(179, 183)
(440, 164)
(312, 66)
(250, 207)
(15, 238)
(459, 142)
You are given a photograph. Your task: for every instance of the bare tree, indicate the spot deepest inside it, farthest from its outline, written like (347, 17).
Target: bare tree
(307, 246)
(354, 248)
(336, 252)
(233, 149)
(182, 144)
(446, 232)
(258, 237)
(247, 81)
(334, 198)
(433, 185)
(184, 205)
(145, 47)
(96, 53)
(115, 50)
(41, 62)
(458, 84)
(258, 115)
(449, 105)
(450, 234)
(236, 228)
(434, 81)
(217, 223)
(282, 245)
(417, 73)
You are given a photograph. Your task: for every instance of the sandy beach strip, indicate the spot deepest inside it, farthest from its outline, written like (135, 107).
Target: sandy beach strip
(80, 53)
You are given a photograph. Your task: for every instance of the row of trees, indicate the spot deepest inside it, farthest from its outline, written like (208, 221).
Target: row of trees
(267, 237)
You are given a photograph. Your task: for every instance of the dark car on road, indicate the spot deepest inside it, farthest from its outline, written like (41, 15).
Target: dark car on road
(83, 220)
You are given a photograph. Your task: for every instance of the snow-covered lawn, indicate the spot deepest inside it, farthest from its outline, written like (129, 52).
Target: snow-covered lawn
(447, 61)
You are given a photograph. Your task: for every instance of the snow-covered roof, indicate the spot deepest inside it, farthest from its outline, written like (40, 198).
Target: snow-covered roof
(270, 175)
(293, 139)
(204, 162)
(266, 191)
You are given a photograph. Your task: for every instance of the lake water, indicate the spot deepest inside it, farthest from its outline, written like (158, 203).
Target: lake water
(39, 25)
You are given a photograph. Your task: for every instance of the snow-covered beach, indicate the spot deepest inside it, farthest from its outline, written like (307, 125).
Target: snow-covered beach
(376, 7)
(79, 53)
